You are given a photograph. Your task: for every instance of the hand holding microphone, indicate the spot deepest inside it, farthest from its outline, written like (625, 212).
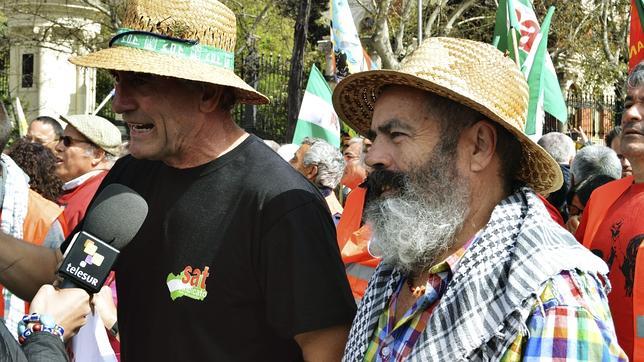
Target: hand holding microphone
(67, 307)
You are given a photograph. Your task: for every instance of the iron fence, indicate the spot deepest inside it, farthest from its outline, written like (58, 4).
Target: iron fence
(4, 76)
(268, 73)
(596, 115)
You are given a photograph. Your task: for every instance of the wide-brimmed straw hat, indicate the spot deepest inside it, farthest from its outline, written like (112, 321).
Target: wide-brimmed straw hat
(471, 73)
(186, 39)
(97, 129)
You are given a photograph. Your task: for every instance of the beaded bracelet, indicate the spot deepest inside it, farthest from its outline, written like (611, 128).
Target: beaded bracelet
(41, 323)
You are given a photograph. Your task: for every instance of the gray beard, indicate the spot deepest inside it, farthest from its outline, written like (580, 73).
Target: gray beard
(415, 227)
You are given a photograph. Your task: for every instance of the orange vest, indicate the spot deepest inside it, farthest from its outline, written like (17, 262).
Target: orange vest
(595, 211)
(353, 240)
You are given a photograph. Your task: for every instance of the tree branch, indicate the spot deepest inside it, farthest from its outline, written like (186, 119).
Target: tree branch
(380, 38)
(450, 23)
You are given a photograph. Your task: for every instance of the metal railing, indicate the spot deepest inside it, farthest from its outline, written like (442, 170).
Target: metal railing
(268, 73)
(596, 115)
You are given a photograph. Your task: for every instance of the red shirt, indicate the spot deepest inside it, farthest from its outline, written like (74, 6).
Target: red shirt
(616, 242)
(76, 200)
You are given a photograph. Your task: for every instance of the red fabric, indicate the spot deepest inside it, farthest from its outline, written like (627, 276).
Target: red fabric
(636, 39)
(617, 240)
(554, 213)
(75, 201)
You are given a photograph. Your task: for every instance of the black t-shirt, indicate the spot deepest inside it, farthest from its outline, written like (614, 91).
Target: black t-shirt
(235, 258)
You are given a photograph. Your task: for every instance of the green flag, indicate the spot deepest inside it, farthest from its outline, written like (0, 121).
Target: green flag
(317, 117)
(536, 62)
(519, 16)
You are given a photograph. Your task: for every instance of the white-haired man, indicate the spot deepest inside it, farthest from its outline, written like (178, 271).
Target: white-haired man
(562, 149)
(85, 152)
(237, 258)
(595, 160)
(473, 267)
(322, 164)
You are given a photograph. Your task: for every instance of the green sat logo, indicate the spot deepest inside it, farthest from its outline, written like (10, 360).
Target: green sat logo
(189, 283)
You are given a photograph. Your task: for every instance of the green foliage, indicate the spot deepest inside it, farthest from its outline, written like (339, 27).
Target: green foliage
(260, 24)
(317, 28)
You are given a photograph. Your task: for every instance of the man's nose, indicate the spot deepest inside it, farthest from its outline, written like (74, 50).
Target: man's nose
(377, 157)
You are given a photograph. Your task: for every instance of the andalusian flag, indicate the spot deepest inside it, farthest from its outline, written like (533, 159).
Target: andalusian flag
(536, 63)
(636, 39)
(519, 16)
(317, 117)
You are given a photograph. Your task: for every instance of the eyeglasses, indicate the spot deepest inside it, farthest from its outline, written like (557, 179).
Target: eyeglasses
(68, 141)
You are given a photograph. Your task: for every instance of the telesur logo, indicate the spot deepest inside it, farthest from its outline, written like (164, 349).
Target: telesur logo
(92, 258)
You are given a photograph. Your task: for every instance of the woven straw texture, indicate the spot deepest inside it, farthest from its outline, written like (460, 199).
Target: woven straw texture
(471, 73)
(208, 21)
(98, 130)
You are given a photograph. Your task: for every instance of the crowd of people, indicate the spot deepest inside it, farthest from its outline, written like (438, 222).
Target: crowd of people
(441, 232)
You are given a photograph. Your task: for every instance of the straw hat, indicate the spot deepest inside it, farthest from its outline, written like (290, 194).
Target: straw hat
(97, 129)
(187, 39)
(471, 73)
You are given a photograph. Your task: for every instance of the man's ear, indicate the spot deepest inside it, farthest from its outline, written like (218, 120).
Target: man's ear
(311, 172)
(211, 96)
(482, 137)
(98, 155)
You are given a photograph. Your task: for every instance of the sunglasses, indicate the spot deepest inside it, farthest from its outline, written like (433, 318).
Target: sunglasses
(68, 141)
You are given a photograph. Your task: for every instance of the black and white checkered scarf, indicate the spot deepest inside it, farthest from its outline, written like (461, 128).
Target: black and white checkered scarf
(493, 291)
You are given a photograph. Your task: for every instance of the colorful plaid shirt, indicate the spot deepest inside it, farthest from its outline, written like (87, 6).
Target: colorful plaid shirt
(562, 325)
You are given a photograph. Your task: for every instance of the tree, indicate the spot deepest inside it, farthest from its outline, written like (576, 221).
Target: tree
(597, 52)
(307, 30)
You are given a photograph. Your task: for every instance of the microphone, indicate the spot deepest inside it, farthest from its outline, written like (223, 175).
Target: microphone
(111, 223)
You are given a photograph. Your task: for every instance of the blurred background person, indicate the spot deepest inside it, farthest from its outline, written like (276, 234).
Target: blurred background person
(87, 150)
(272, 144)
(287, 151)
(614, 141)
(44, 130)
(352, 232)
(355, 171)
(578, 197)
(595, 160)
(323, 165)
(562, 149)
(65, 308)
(24, 214)
(39, 163)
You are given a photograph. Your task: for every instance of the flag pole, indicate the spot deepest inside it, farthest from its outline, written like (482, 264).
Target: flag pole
(107, 98)
(515, 46)
(420, 22)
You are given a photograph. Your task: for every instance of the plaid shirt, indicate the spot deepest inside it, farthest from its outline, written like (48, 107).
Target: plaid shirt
(394, 341)
(560, 327)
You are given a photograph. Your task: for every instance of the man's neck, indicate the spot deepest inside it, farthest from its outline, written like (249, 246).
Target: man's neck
(638, 172)
(484, 198)
(209, 143)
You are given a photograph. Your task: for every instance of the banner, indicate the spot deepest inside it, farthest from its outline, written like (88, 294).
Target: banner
(317, 117)
(349, 56)
(519, 17)
(636, 38)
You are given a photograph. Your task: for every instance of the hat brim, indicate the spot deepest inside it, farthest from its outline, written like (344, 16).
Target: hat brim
(144, 61)
(354, 98)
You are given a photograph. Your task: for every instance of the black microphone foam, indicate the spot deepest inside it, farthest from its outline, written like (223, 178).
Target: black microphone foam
(116, 215)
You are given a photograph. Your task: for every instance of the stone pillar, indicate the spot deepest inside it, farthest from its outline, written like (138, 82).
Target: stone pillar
(40, 73)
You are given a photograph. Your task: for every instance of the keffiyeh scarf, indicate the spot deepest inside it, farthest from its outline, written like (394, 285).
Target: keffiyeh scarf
(493, 291)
